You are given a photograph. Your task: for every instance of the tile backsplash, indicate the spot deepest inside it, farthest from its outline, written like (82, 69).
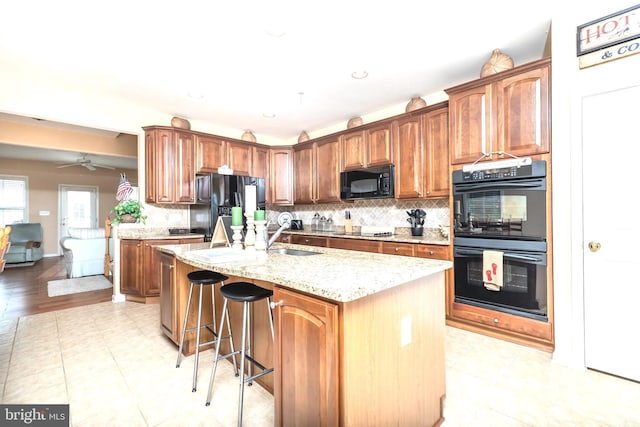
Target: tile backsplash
(377, 212)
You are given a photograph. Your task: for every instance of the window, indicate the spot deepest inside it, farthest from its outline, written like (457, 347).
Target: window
(13, 199)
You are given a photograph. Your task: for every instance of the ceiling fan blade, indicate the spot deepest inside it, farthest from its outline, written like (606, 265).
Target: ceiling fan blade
(67, 165)
(88, 166)
(102, 166)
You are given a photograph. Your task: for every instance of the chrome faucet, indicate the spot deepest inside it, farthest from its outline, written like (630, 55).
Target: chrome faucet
(278, 232)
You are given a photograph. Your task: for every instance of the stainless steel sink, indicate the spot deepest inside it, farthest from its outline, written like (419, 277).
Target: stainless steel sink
(294, 252)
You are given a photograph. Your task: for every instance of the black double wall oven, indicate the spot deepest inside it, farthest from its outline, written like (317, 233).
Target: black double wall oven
(501, 206)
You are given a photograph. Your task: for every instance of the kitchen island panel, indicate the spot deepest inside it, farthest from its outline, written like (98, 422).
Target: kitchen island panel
(393, 356)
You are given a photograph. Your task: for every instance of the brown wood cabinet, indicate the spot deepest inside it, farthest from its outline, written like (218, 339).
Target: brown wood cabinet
(422, 153)
(354, 244)
(169, 163)
(301, 239)
(214, 152)
(280, 182)
(369, 147)
(435, 129)
(505, 114)
(317, 171)
(307, 347)
(409, 155)
(356, 369)
(140, 267)
(395, 248)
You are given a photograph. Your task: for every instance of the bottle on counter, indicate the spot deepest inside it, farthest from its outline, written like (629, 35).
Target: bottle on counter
(315, 222)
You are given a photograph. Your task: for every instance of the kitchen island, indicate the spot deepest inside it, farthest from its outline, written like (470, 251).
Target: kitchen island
(359, 336)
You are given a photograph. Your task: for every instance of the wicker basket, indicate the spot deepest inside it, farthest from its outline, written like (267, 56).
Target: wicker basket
(179, 123)
(304, 136)
(415, 103)
(353, 122)
(497, 62)
(248, 136)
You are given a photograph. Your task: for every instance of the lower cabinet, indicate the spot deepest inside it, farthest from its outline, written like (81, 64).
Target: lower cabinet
(347, 364)
(307, 347)
(139, 267)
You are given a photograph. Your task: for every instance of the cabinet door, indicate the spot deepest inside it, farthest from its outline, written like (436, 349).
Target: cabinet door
(327, 174)
(433, 251)
(260, 164)
(159, 157)
(353, 150)
(306, 338)
(304, 173)
(167, 297)
(409, 157)
(239, 157)
(151, 266)
(470, 124)
(131, 266)
(281, 176)
(184, 168)
(210, 154)
(436, 148)
(524, 102)
(378, 145)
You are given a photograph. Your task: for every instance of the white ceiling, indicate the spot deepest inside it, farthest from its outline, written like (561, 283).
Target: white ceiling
(154, 53)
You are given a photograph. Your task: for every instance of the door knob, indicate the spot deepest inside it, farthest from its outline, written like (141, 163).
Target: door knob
(594, 246)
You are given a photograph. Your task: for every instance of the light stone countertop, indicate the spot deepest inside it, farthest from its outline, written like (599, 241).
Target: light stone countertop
(431, 236)
(335, 274)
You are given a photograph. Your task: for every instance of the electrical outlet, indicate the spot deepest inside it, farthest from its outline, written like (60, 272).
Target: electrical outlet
(405, 331)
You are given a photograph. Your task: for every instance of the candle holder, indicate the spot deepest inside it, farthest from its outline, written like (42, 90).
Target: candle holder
(250, 235)
(237, 236)
(261, 244)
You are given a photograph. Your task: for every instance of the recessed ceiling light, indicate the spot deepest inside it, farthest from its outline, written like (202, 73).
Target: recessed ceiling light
(362, 74)
(194, 93)
(268, 115)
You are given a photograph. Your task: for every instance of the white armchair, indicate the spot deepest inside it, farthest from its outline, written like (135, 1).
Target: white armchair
(84, 251)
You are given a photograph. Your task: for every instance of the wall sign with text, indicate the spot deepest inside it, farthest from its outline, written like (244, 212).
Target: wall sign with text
(611, 37)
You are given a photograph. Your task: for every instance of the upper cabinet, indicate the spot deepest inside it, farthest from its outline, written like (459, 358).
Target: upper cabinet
(316, 166)
(170, 168)
(214, 152)
(369, 147)
(279, 183)
(422, 153)
(503, 115)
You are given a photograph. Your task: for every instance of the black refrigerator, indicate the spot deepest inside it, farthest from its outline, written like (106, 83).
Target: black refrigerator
(216, 194)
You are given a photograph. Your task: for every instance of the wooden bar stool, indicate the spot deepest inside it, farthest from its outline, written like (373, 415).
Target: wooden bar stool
(202, 278)
(246, 293)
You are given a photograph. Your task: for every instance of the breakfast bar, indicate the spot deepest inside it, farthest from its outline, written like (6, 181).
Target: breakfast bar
(359, 336)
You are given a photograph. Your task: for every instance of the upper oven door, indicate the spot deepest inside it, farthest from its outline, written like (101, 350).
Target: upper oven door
(506, 209)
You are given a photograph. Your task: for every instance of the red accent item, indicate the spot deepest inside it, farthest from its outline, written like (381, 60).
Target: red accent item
(494, 266)
(489, 275)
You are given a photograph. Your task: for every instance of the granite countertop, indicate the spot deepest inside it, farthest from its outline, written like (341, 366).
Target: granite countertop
(431, 236)
(335, 274)
(152, 233)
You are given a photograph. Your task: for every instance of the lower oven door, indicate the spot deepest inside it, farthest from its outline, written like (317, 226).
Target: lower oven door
(524, 290)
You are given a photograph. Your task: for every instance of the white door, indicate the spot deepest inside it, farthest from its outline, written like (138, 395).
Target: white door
(611, 147)
(78, 207)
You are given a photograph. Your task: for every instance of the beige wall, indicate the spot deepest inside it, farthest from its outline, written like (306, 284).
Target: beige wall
(43, 181)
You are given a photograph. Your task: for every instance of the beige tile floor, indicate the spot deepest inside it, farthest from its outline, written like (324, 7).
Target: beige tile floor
(111, 363)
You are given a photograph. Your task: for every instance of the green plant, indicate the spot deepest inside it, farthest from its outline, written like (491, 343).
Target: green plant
(127, 209)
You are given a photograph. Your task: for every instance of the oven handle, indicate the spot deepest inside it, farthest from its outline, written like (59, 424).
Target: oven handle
(510, 255)
(538, 184)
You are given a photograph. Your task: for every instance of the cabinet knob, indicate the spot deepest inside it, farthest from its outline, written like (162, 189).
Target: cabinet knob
(274, 304)
(495, 320)
(396, 249)
(430, 252)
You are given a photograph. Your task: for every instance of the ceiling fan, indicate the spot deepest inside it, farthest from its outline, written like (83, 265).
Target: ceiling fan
(85, 162)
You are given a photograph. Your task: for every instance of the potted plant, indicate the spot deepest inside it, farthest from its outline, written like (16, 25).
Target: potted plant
(128, 211)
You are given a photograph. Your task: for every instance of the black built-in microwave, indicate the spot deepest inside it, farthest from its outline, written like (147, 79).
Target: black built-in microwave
(369, 183)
